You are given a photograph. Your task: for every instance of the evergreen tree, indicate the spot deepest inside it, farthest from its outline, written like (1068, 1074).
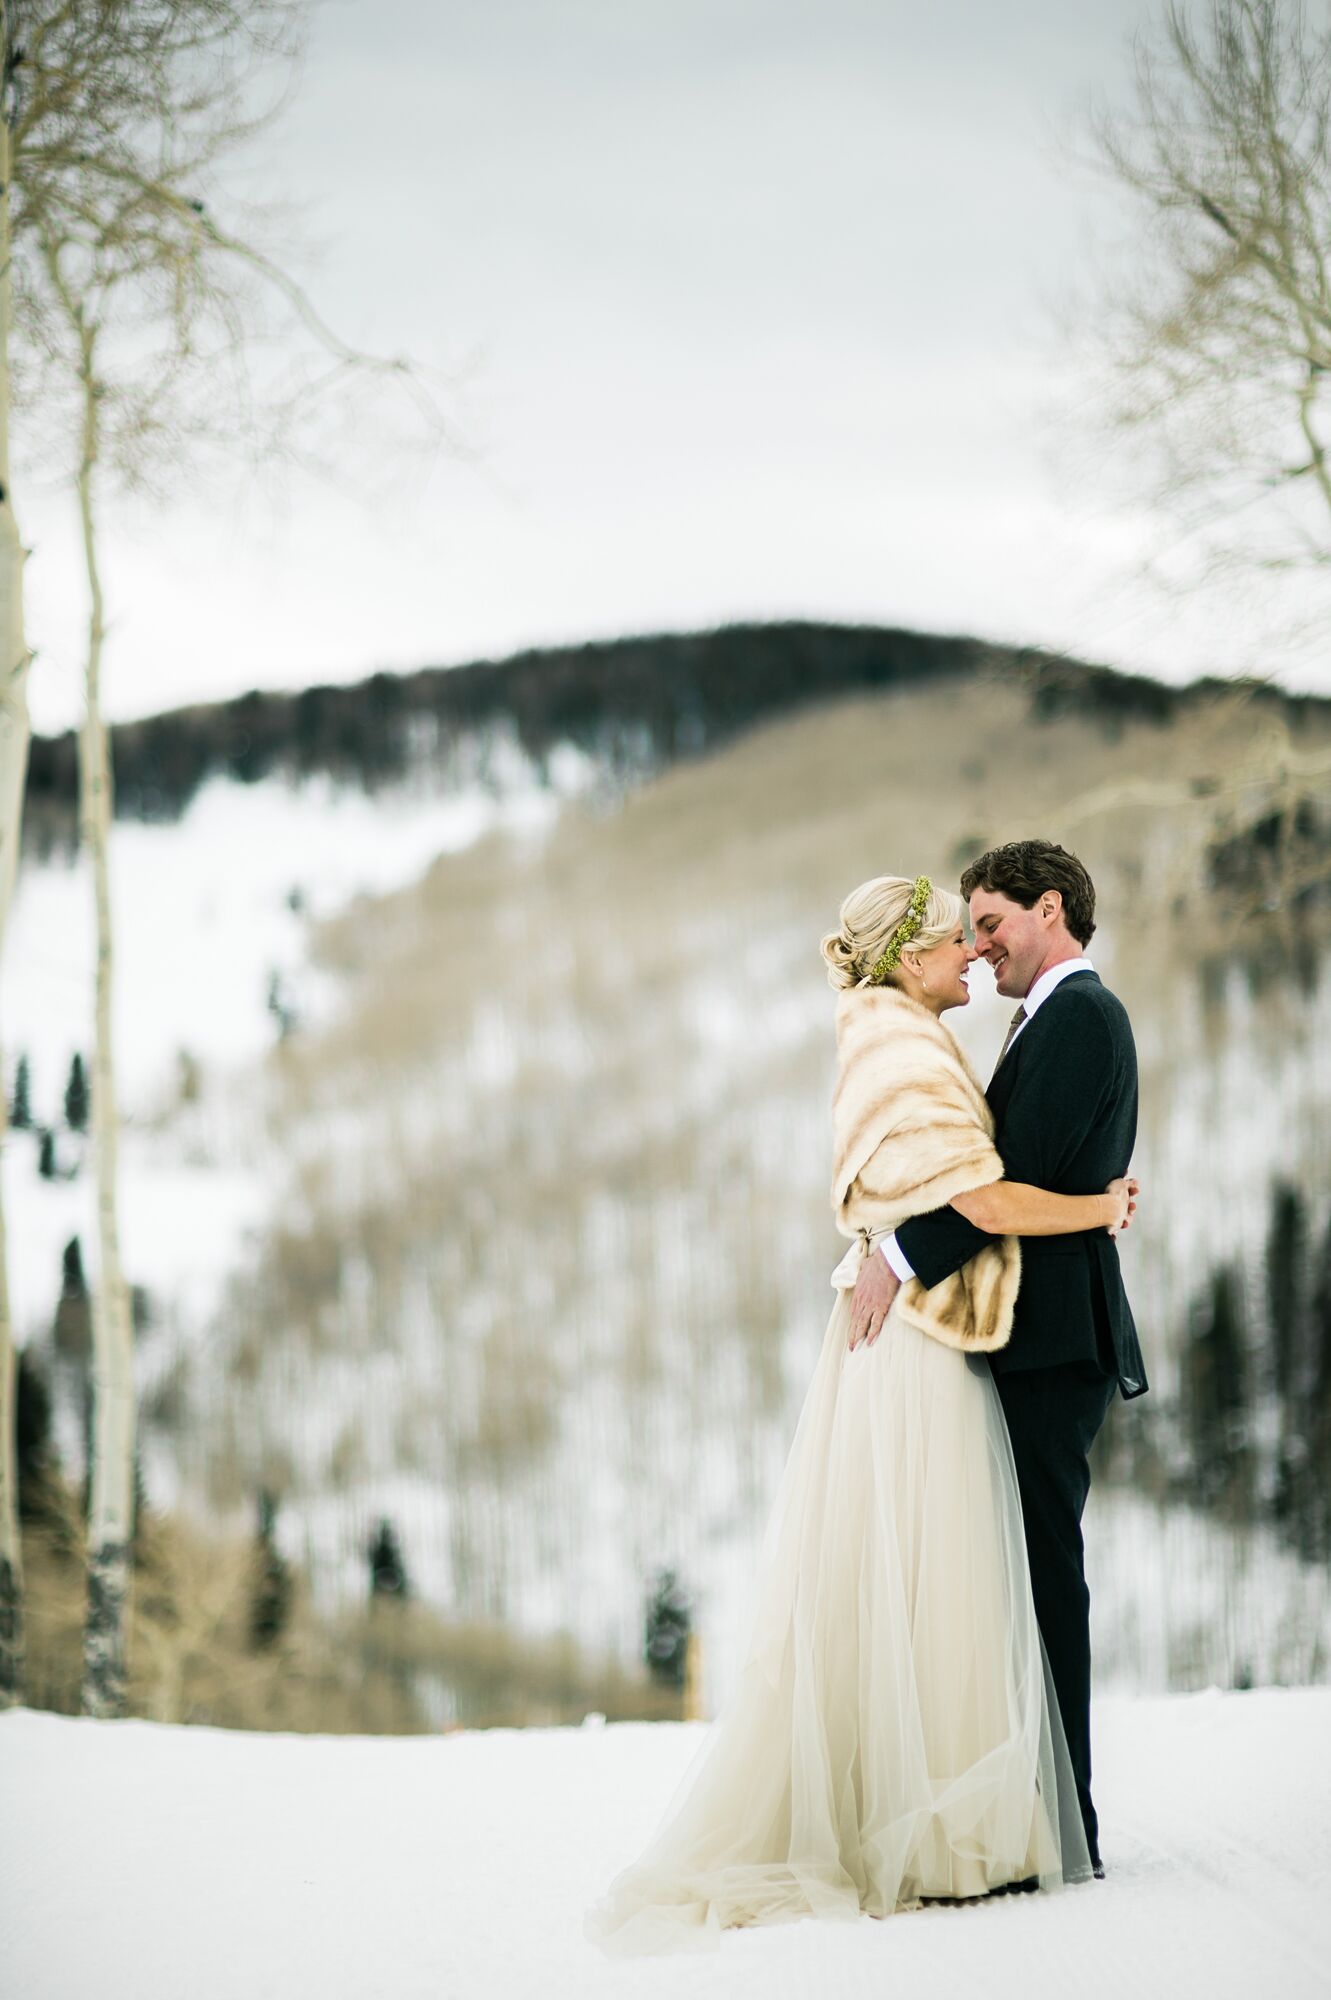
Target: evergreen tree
(1303, 1485)
(668, 1624)
(1316, 1514)
(32, 1437)
(282, 1013)
(73, 1284)
(1215, 1396)
(270, 1605)
(73, 1314)
(388, 1571)
(1288, 1284)
(20, 1111)
(76, 1096)
(46, 1162)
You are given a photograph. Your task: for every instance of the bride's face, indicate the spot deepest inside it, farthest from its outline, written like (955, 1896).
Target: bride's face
(943, 971)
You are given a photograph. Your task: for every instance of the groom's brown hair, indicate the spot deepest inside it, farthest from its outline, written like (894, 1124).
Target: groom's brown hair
(1023, 869)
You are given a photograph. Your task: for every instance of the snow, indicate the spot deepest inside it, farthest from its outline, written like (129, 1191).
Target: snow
(145, 1861)
(1181, 1599)
(210, 910)
(208, 907)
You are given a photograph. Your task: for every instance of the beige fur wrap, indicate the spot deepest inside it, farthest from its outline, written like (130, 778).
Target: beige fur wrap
(911, 1129)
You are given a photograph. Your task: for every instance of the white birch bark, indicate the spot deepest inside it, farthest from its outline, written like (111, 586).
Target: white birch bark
(110, 1511)
(14, 733)
(126, 112)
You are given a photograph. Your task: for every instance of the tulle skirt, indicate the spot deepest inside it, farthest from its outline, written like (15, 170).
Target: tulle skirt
(893, 1733)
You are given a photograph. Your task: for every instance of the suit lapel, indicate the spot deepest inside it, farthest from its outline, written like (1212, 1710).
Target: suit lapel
(1003, 1081)
(1003, 1078)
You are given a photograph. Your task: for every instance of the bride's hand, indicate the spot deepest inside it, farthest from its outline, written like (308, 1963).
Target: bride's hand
(871, 1301)
(1123, 1192)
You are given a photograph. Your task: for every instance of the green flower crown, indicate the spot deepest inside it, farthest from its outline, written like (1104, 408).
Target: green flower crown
(910, 927)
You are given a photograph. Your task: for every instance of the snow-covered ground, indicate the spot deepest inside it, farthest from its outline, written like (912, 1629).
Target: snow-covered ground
(152, 1863)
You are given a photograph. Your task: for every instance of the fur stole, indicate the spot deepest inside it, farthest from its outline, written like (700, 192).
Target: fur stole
(911, 1129)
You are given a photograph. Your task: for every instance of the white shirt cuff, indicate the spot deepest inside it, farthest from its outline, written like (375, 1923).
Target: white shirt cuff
(896, 1257)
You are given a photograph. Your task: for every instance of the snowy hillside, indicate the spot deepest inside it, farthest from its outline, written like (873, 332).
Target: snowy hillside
(476, 1157)
(142, 1862)
(214, 914)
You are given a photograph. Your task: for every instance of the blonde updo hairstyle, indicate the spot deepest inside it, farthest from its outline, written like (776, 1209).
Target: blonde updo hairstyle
(869, 916)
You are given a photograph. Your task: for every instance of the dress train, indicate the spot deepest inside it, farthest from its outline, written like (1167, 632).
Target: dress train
(893, 1733)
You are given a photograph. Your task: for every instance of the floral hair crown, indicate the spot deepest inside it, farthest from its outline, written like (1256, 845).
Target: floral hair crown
(910, 927)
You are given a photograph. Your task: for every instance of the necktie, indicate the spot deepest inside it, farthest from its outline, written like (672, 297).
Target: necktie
(1013, 1026)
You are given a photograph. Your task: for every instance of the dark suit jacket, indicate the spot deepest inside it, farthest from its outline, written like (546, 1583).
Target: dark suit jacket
(1064, 1100)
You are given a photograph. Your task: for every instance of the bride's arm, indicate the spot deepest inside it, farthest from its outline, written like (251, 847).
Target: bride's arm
(1014, 1208)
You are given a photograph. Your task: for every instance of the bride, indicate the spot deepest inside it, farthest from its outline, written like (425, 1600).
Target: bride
(893, 1734)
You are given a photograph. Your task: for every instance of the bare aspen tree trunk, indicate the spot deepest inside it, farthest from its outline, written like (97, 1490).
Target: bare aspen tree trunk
(118, 116)
(14, 733)
(109, 1518)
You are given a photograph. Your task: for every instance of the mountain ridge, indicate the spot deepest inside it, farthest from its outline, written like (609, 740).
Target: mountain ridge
(630, 706)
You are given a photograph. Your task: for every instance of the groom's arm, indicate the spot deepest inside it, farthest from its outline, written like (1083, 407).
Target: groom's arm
(938, 1244)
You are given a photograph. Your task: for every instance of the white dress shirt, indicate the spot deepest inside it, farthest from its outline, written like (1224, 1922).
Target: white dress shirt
(1034, 1000)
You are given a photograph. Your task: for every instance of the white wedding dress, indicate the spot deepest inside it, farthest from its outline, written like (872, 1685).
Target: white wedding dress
(893, 1733)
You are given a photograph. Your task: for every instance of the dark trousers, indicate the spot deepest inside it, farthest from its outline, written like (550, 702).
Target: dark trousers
(1053, 1415)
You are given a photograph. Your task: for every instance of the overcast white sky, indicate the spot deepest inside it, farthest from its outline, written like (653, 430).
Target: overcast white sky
(759, 298)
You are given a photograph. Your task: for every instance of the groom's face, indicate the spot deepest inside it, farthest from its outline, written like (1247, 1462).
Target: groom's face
(1013, 942)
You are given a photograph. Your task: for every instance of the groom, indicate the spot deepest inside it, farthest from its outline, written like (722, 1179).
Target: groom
(1064, 1099)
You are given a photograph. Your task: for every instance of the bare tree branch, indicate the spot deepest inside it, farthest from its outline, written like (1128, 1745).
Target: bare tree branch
(1214, 356)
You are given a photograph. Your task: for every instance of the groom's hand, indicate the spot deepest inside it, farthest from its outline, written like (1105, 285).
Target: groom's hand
(1125, 1190)
(871, 1300)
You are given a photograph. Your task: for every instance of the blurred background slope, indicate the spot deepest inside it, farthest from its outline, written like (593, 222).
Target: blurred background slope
(476, 1054)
